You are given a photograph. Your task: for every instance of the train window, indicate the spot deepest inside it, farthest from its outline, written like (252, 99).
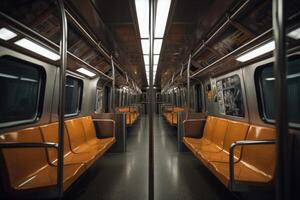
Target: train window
(198, 91)
(99, 100)
(74, 88)
(21, 85)
(230, 96)
(265, 82)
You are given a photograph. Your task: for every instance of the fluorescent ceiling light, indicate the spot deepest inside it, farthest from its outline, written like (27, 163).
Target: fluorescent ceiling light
(162, 12)
(142, 11)
(6, 34)
(155, 59)
(37, 48)
(295, 34)
(146, 59)
(270, 46)
(148, 68)
(157, 46)
(86, 72)
(145, 45)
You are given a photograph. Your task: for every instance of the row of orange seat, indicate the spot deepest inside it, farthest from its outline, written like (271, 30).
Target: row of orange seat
(170, 114)
(254, 162)
(132, 114)
(31, 168)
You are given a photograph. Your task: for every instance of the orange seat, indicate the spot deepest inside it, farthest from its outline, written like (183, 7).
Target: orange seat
(207, 135)
(90, 134)
(213, 138)
(28, 168)
(50, 134)
(78, 139)
(235, 131)
(257, 164)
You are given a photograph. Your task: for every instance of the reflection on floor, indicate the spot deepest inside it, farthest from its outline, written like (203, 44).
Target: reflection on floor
(124, 176)
(180, 175)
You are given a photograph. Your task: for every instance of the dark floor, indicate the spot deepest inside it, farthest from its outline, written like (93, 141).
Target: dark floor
(125, 175)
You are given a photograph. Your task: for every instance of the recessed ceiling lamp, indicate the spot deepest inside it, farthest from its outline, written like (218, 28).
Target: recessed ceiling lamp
(155, 59)
(270, 46)
(6, 34)
(142, 11)
(162, 12)
(37, 48)
(146, 60)
(157, 46)
(86, 72)
(145, 46)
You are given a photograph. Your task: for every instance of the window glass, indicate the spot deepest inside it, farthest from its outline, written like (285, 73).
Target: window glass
(99, 100)
(266, 84)
(229, 94)
(198, 98)
(73, 96)
(21, 86)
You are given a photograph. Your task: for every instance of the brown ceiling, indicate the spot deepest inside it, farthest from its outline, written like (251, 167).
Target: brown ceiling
(116, 21)
(191, 20)
(113, 23)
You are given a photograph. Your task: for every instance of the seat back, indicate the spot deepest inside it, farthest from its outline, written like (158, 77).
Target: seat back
(50, 134)
(76, 132)
(124, 109)
(89, 128)
(208, 128)
(219, 131)
(23, 163)
(260, 157)
(235, 131)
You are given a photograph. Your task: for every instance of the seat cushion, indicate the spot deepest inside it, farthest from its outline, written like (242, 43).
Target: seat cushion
(242, 173)
(48, 177)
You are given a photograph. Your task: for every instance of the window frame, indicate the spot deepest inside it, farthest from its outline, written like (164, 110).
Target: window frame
(40, 97)
(79, 105)
(260, 96)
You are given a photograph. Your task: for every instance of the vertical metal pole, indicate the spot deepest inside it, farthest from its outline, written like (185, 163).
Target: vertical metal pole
(188, 87)
(151, 102)
(61, 106)
(113, 84)
(283, 161)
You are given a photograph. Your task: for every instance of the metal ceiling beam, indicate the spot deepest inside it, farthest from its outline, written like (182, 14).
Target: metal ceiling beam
(95, 43)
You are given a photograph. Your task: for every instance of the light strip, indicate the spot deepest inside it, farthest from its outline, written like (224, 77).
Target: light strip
(146, 59)
(142, 11)
(157, 45)
(145, 46)
(162, 12)
(86, 72)
(155, 59)
(37, 48)
(6, 34)
(270, 46)
(295, 34)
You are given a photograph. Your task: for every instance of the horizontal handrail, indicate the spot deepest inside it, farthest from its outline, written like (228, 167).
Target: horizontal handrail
(28, 145)
(231, 155)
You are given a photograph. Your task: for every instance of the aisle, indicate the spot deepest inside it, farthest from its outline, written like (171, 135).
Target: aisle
(124, 176)
(180, 176)
(118, 176)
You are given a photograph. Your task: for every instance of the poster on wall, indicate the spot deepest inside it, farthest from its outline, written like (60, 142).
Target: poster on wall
(220, 97)
(230, 97)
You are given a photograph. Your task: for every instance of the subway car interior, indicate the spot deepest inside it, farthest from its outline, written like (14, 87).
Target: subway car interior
(150, 99)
